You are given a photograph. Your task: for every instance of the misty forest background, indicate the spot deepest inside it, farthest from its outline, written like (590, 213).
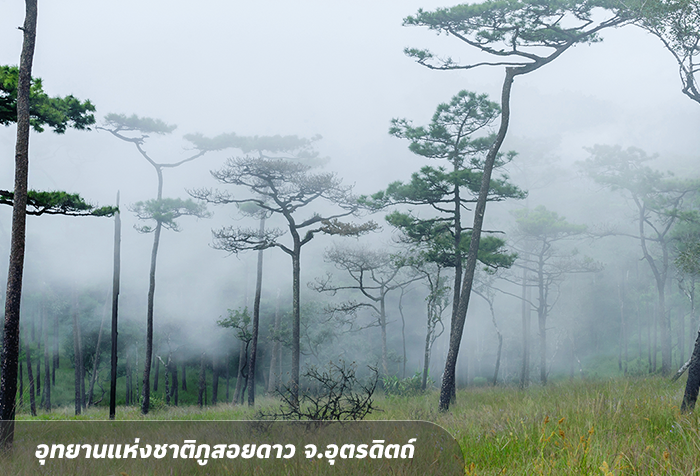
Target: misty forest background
(313, 69)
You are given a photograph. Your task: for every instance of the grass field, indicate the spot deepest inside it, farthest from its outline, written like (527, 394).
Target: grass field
(622, 426)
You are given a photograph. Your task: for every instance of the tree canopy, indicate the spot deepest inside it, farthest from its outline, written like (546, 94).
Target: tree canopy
(55, 112)
(677, 24)
(58, 203)
(525, 34)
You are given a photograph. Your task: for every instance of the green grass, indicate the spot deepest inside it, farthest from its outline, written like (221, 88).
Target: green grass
(621, 426)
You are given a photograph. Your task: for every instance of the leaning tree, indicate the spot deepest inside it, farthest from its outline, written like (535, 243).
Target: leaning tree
(522, 36)
(162, 211)
(284, 188)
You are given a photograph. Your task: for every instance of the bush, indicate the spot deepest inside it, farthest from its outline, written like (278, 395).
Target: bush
(331, 394)
(406, 387)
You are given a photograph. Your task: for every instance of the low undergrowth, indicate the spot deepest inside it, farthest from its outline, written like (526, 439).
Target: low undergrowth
(624, 426)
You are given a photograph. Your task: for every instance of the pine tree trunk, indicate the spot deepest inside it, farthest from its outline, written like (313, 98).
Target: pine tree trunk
(202, 381)
(174, 387)
(228, 376)
(215, 381)
(242, 362)
(116, 271)
(77, 361)
(56, 360)
(275, 360)
(20, 394)
(146, 389)
(426, 356)
(256, 321)
(448, 386)
(10, 348)
(525, 310)
(128, 379)
(403, 334)
(296, 325)
(382, 323)
(30, 375)
(96, 359)
(48, 370)
(156, 377)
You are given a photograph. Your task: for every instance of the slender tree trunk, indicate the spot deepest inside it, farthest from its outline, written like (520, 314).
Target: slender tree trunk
(275, 373)
(448, 386)
(167, 380)
(681, 338)
(55, 348)
(665, 325)
(649, 325)
(156, 377)
(525, 310)
(129, 382)
(116, 270)
(542, 321)
(622, 327)
(426, 354)
(403, 335)
(296, 324)
(184, 375)
(20, 394)
(146, 389)
(13, 295)
(38, 372)
(202, 380)
(655, 348)
(96, 359)
(30, 375)
(48, 374)
(242, 362)
(173, 388)
(500, 345)
(382, 323)
(32, 399)
(77, 358)
(228, 375)
(214, 380)
(256, 321)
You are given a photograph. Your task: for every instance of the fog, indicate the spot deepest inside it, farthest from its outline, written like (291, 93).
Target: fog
(335, 69)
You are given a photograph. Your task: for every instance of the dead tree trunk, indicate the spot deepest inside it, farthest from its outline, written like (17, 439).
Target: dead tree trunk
(116, 270)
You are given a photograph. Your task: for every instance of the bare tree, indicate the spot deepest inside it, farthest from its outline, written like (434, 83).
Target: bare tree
(284, 188)
(374, 274)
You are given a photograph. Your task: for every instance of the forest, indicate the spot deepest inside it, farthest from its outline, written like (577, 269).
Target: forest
(486, 216)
